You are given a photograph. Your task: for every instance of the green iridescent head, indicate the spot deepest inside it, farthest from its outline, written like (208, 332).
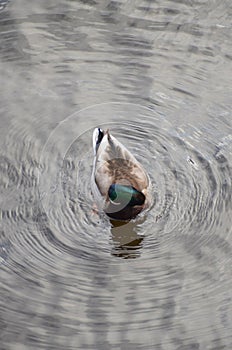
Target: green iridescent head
(125, 195)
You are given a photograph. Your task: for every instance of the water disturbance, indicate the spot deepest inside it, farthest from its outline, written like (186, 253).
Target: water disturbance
(157, 74)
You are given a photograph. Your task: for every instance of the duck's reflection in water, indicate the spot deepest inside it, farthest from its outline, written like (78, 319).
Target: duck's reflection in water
(127, 243)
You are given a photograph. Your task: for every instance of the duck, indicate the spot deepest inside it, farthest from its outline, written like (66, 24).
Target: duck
(119, 182)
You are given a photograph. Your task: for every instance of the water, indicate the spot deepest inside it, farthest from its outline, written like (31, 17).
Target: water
(158, 74)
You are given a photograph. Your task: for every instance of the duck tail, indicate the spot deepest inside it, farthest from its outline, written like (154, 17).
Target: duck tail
(108, 134)
(98, 135)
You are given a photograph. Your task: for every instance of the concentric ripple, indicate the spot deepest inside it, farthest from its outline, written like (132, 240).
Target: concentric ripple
(70, 278)
(141, 274)
(187, 185)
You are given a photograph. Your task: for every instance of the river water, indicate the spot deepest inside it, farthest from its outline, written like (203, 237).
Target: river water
(158, 74)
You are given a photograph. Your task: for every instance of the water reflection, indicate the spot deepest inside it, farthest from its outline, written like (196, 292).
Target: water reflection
(126, 240)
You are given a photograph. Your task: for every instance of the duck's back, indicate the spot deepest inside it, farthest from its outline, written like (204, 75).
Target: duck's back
(115, 164)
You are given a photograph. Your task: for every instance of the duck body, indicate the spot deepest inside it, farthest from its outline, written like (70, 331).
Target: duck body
(119, 181)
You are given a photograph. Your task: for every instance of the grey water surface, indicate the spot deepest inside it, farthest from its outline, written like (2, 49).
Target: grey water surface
(158, 74)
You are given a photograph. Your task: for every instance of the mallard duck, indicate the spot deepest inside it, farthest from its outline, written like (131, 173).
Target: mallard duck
(119, 181)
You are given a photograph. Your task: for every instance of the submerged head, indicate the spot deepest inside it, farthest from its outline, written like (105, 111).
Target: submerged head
(125, 202)
(123, 194)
